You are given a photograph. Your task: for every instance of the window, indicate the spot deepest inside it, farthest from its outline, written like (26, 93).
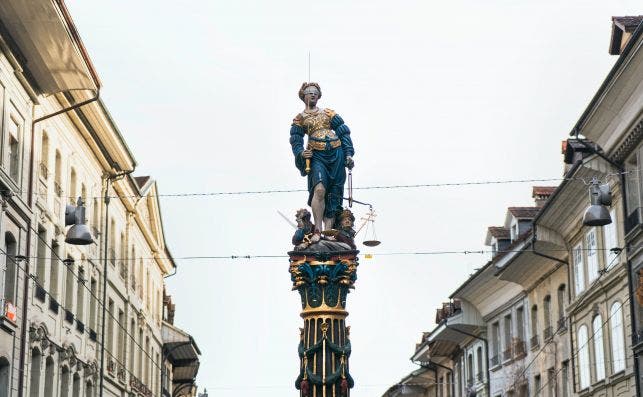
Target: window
(632, 176)
(69, 284)
(5, 369)
(14, 128)
(561, 306)
(34, 381)
(58, 174)
(520, 324)
(121, 336)
(72, 187)
(80, 296)
(132, 346)
(599, 355)
(75, 391)
(507, 335)
(551, 382)
(10, 272)
(547, 317)
(565, 379)
(41, 253)
(49, 376)
(64, 383)
(579, 268)
(53, 269)
(469, 369)
(479, 362)
(495, 339)
(537, 385)
(618, 342)
(110, 326)
(583, 358)
(534, 326)
(610, 241)
(44, 157)
(592, 255)
(92, 305)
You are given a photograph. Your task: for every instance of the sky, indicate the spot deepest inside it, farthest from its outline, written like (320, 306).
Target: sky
(434, 92)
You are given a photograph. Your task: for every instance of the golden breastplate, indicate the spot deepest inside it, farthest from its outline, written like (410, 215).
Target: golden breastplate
(317, 126)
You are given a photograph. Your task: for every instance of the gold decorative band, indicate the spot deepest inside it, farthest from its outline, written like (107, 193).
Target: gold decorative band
(321, 145)
(324, 313)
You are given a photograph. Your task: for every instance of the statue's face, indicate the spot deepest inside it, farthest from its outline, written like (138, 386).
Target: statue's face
(311, 95)
(346, 222)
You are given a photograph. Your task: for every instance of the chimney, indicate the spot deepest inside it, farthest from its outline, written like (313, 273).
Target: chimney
(541, 194)
(622, 29)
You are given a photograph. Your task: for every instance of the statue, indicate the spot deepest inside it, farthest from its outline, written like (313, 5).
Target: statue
(328, 152)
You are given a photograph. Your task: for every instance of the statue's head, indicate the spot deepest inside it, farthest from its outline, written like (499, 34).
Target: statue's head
(303, 218)
(310, 93)
(346, 219)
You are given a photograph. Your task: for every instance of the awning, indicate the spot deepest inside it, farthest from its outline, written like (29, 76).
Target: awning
(47, 39)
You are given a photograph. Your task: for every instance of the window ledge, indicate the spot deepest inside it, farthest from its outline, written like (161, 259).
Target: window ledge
(495, 368)
(8, 324)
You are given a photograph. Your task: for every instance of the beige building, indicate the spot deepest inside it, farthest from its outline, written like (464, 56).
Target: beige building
(63, 303)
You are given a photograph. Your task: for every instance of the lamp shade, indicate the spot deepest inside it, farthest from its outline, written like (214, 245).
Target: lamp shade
(79, 234)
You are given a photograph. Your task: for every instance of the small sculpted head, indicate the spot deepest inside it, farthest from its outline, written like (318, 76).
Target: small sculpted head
(310, 93)
(346, 219)
(303, 218)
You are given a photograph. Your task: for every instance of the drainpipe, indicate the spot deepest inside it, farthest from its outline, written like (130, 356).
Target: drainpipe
(630, 279)
(486, 350)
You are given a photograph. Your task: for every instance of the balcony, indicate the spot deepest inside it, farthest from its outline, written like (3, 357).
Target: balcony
(57, 189)
(139, 387)
(549, 333)
(120, 374)
(111, 366)
(69, 316)
(41, 294)
(520, 348)
(53, 305)
(562, 324)
(507, 355)
(495, 361)
(533, 342)
(133, 282)
(44, 172)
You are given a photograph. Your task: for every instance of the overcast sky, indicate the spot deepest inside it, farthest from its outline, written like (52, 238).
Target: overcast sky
(433, 91)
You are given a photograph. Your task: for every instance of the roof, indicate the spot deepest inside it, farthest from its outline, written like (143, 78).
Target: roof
(141, 181)
(46, 37)
(542, 190)
(499, 232)
(628, 23)
(523, 212)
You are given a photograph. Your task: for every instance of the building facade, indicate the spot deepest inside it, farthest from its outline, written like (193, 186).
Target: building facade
(77, 319)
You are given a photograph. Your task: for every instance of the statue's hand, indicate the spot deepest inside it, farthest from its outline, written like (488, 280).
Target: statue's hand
(307, 154)
(349, 162)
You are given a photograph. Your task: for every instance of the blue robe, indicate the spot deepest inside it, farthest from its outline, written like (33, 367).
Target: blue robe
(326, 166)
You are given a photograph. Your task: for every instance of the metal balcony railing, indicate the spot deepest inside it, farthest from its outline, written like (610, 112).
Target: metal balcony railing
(53, 305)
(549, 333)
(479, 376)
(495, 361)
(57, 189)
(44, 172)
(112, 256)
(533, 342)
(519, 348)
(562, 323)
(507, 354)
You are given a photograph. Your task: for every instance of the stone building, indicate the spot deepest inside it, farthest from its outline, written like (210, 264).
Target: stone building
(75, 318)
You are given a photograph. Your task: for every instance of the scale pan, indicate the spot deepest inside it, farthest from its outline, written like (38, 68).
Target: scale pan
(371, 243)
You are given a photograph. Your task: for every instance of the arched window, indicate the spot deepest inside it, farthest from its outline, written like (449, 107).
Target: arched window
(72, 187)
(561, 306)
(112, 242)
(83, 194)
(10, 268)
(479, 362)
(583, 358)
(89, 389)
(54, 268)
(599, 354)
(44, 156)
(618, 342)
(132, 263)
(95, 221)
(64, 381)
(534, 326)
(69, 283)
(470, 369)
(34, 382)
(75, 391)
(58, 174)
(547, 317)
(49, 376)
(4, 377)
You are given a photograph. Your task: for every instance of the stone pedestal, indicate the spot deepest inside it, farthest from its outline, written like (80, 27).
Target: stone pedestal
(323, 281)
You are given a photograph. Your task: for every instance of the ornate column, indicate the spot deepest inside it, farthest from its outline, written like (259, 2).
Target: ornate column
(323, 280)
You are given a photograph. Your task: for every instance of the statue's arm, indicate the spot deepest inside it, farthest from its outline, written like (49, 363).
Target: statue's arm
(297, 145)
(344, 134)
